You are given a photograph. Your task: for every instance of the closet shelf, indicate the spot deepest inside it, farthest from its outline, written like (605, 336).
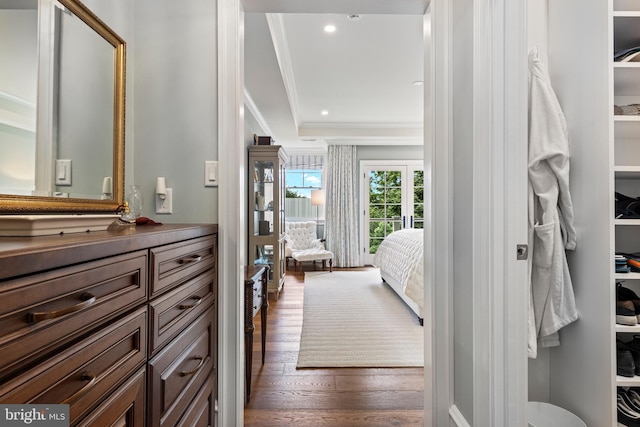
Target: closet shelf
(626, 14)
(634, 222)
(621, 118)
(628, 330)
(628, 276)
(626, 65)
(622, 172)
(627, 381)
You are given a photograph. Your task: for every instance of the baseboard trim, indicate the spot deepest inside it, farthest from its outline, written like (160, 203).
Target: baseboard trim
(457, 417)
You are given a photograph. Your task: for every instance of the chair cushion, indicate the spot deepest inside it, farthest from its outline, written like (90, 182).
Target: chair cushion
(301, 235)
(312, 254)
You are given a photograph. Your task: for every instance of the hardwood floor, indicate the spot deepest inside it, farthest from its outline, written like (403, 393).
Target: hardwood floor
(281, 395)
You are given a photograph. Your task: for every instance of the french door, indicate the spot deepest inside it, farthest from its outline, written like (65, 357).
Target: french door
(392, 198)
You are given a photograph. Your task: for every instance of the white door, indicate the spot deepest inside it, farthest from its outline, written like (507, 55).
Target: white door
(392, 195)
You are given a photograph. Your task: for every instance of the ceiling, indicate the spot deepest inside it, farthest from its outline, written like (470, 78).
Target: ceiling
(362, 75)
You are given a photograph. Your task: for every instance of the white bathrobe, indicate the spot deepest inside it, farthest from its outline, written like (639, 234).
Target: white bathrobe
(552, 303)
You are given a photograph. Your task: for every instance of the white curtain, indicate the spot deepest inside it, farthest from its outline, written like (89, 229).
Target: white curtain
(342, 206)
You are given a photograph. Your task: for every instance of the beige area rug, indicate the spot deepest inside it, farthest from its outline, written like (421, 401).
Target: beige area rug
(353, 319)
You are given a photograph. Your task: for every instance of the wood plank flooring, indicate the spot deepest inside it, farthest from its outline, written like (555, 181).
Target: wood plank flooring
(281, 395)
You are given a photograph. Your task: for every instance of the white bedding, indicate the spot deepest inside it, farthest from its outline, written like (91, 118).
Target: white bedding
(400, 258)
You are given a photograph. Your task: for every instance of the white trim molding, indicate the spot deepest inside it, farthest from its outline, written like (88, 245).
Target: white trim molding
(499, 213)
(283, 55)
(457, 417)
(231, 212)
(438, 172)
(255, 111)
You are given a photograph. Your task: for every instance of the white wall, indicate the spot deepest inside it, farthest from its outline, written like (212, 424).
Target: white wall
(579, 68)
(175, 127)
(389, 152)
(577, 375)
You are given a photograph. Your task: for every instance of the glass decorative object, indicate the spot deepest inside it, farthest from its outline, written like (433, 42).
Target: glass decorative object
(134, 197)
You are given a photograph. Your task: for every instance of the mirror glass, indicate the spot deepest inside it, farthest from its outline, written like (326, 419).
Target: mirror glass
(18, 95)
(61, 108)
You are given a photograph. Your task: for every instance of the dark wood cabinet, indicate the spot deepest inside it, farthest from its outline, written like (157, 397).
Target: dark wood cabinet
(121, 324)
(178, 371)
(255, 300)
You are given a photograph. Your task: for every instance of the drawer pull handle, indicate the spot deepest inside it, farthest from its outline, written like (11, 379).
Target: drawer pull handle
(187, 306)
(84, 390)
(194, 370)
(87, 300)
(190, 260)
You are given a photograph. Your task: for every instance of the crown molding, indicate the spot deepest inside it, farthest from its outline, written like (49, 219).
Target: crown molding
(255, 111)
(283, 55)
(362, 130)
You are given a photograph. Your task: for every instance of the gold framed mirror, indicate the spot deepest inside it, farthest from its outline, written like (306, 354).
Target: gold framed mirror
(75, 130)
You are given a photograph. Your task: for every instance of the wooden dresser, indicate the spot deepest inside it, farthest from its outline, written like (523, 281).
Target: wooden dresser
(255, 300)
(119, 324)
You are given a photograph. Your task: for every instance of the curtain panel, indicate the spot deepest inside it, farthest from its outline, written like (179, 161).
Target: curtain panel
(342, 206)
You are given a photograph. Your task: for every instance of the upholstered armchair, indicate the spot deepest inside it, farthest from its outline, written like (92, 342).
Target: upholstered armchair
(302, 244)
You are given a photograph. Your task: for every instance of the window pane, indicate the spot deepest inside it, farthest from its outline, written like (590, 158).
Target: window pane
(377, 229)
(376, 195)
(299, 183)
(374, 244)
(376, 178)
(418, 195)
(313, 179)
(376, 211)
(418, 211)
(418, 178)
(394, 211)
(394, 195)
(394, 179)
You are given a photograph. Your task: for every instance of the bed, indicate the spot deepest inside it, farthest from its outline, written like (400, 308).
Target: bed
(400, 260)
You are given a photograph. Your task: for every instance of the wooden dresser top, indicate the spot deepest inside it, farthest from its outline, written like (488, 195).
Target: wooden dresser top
(25, 255)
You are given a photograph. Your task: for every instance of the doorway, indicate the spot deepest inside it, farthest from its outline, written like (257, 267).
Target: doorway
(231, 21)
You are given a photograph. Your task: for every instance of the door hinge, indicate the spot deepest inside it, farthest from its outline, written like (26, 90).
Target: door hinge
(522, 252)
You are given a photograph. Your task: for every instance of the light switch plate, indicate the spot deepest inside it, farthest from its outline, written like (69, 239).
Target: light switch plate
(210, 173)
(63, 172)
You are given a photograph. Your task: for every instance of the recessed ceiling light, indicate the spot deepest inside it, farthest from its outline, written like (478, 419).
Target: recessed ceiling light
(330, 28)
(324, 112)
(418, 83)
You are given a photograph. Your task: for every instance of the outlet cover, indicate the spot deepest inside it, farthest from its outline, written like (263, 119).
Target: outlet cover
(165, 206)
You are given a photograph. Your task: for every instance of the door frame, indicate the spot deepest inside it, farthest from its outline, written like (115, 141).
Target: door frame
(365, 165)
(499, 103)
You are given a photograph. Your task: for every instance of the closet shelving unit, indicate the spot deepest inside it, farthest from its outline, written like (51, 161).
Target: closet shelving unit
(626, 144)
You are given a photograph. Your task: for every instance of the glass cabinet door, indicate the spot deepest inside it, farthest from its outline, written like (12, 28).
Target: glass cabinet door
(263, 193)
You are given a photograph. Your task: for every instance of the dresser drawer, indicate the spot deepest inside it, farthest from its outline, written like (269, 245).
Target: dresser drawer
(180, 369)
(125, 407)
(257, 299)
(41, 312)
(173, 264)
(201, 412)
(170, 313)
(85, 373)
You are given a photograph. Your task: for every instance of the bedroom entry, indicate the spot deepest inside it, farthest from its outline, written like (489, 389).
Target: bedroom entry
(392, 198)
